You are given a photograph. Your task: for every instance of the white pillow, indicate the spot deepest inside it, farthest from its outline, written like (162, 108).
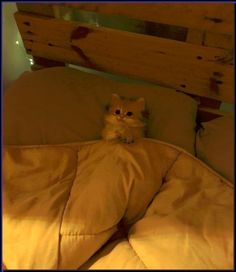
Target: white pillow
(215, 145)
(61, 105)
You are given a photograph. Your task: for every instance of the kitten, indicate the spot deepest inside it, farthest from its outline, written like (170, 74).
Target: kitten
(124, 120)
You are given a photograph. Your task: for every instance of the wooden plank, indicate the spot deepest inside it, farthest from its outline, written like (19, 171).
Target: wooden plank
(221, 41)
(210, 39)
(195, 36)
(214, 17)
(66, 55)
(169, 63)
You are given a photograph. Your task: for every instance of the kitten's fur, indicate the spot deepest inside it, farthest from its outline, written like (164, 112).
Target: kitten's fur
(119, 125)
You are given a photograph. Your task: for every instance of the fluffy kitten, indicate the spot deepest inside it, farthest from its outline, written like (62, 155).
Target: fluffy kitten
(124, 120)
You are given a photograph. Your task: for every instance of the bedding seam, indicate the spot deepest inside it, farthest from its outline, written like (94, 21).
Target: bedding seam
(202, 163)
(136, 254)
(166, 174)
(64, 208)
(169, 169)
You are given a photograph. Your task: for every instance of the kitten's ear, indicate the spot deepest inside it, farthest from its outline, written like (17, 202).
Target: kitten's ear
(141, 103)
(115, 98)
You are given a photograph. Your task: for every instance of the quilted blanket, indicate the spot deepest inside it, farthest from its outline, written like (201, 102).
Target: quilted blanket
(62, 206)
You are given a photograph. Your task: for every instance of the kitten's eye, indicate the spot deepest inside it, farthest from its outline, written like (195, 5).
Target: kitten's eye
(129, 113)
(117, 112)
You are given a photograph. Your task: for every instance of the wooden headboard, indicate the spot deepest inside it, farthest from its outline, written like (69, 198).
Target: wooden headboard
(185, 46)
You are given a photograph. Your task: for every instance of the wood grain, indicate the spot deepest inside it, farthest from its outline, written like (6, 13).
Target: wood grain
(214, 17)
(183, 66)
(195, 36)
(198, 33)
(221, 41)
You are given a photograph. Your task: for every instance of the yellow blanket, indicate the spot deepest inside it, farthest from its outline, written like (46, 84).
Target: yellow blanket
(61, 204)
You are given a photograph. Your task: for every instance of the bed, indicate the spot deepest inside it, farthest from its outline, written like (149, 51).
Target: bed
(72, 200)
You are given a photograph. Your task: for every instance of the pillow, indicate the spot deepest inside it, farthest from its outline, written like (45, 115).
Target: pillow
(61, 105)
(215, 145)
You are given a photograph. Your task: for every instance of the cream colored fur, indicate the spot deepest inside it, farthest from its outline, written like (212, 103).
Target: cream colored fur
(121, 126)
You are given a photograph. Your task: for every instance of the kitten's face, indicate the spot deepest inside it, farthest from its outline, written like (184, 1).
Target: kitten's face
(127, 111)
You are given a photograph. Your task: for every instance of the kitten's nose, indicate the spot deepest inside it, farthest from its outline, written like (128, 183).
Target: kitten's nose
(121, 116)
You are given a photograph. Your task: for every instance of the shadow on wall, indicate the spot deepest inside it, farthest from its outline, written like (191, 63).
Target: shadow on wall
(15, 59)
